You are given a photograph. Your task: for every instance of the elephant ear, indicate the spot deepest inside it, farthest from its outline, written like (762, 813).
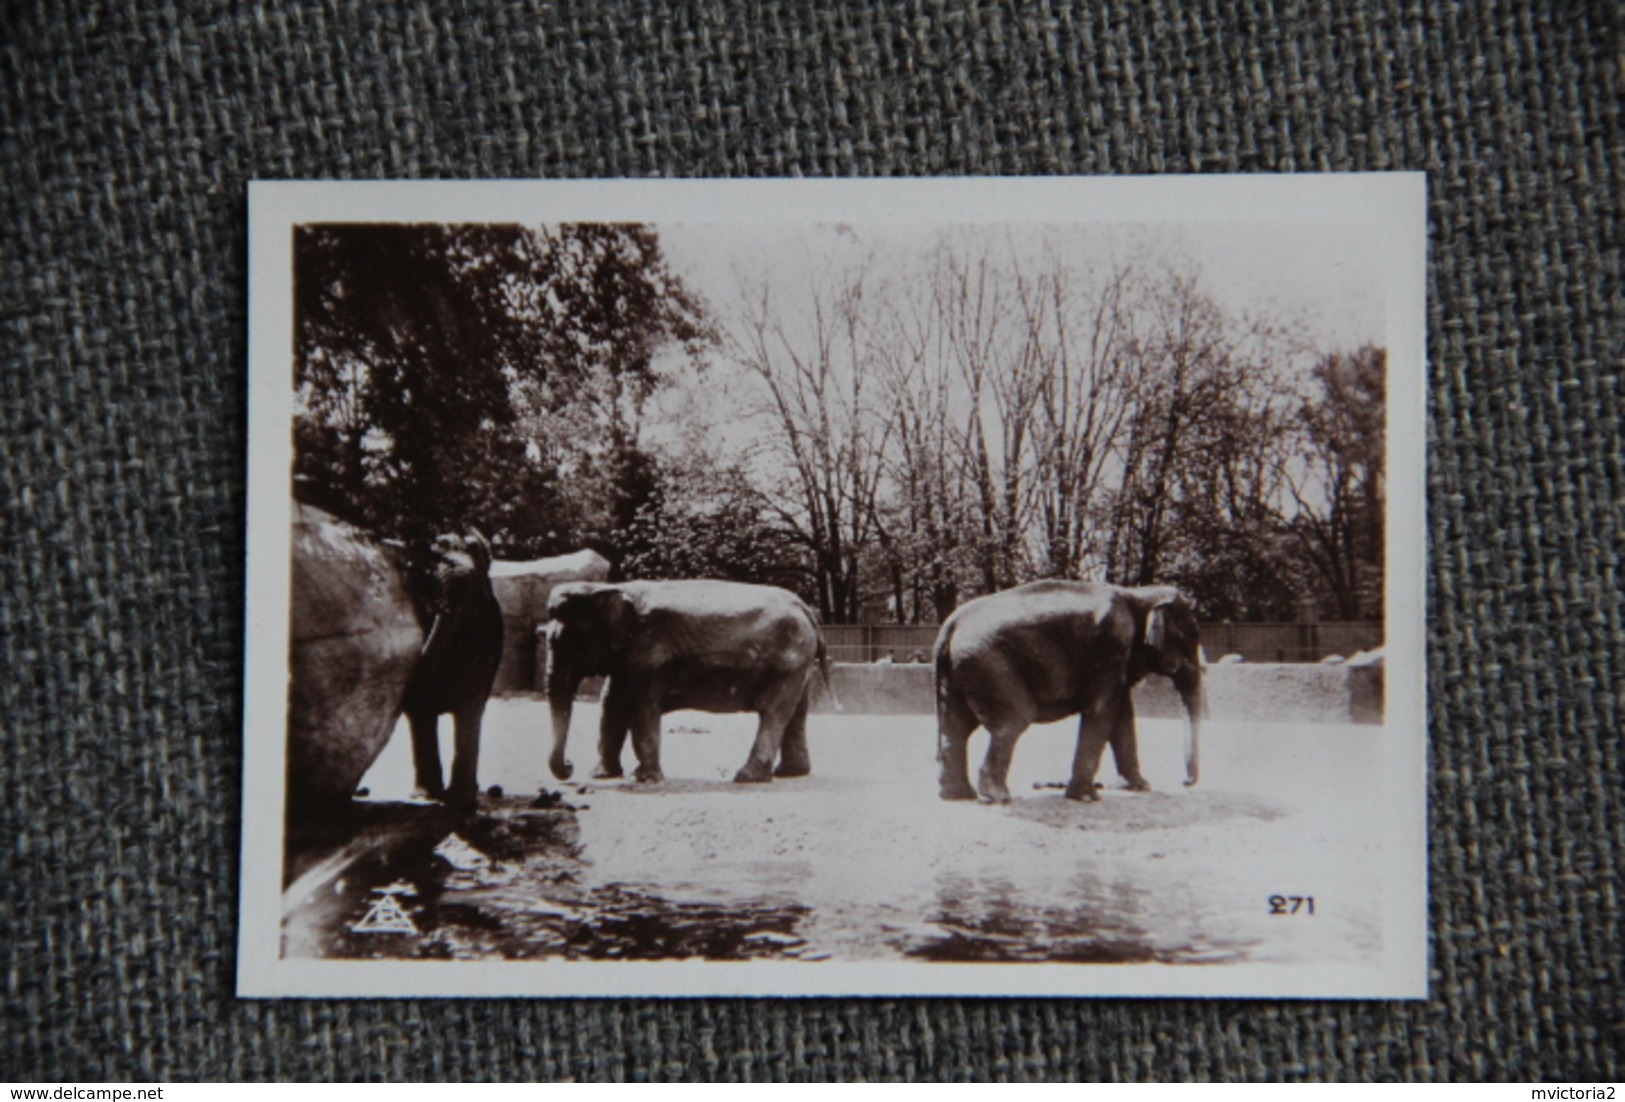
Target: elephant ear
(478, 549)
(614, 609)
(1156, 628)
(453, 596)
(591, 605)
(1154, 632)
(570, 603)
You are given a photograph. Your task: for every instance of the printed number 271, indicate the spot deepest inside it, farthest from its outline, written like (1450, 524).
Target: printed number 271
(1292, 904)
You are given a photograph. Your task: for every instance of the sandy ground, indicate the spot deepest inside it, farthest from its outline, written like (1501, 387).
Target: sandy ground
(861, 860)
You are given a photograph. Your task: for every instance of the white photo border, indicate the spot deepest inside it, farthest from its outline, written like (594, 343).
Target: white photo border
(1391, 207)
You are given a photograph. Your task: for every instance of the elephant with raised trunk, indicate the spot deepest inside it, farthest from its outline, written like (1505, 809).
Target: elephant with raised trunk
(458, 664)
(708, 645)
(376, 630)
(1052, 649)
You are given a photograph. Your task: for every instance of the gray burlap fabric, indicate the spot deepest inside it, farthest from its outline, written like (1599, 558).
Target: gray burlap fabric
(127, 132)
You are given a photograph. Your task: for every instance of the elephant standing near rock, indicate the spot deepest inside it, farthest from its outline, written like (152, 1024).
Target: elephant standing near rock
(708, 645)
(371, 636)
(354, 639)
(456, 668)
(1051, 649)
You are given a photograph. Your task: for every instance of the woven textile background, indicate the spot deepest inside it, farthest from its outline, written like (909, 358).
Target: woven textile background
(127, 133)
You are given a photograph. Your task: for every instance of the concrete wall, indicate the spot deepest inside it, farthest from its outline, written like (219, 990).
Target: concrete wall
(1281, 641)
(522, 590)
(1288, 693)
(1283, 693)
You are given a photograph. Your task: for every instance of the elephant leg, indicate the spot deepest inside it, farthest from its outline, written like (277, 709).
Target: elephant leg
(465, 762)
(646, 742)
(612, 731)
(758, 768)
(953, 744)
(1126, 746)
(773, 715)
(993, 785)
(1095, 726)
(426, 754)
(794, 760)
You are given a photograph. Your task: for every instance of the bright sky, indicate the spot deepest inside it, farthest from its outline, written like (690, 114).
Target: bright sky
(1323, 283)
(1326, 281)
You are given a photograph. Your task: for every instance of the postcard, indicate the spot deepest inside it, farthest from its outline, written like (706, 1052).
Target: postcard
(966, 587)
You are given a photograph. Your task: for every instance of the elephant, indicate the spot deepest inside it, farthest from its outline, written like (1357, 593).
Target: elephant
(522, 589)
(1050, 649)
(710, 645)
(457, 666)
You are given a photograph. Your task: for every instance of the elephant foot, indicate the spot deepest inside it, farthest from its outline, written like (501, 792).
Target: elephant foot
(605, 772)
(994, 797)
(957, 791)
(561, 768)
(648, 774)
(793, 769)
(1084, 793)
(1136, 784)
(753, 774)
(463, 799)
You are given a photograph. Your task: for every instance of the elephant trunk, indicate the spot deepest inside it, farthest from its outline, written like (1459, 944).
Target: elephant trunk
(561, 697)
(557, 762)
(1189, 685)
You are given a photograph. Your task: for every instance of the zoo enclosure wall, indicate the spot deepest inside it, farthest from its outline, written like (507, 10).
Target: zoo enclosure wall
(1285, 641)
(1300, 642)
(883, 669)
(1272, 692)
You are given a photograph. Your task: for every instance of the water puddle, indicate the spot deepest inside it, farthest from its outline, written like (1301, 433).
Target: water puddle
(990, 922)
(512, 883)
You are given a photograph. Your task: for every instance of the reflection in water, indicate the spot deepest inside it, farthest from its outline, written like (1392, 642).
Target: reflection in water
(511, 883)
(987, 920)
(983, 920)
(508, 885)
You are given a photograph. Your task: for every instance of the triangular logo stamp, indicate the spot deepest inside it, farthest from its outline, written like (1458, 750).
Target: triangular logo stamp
(385, 915)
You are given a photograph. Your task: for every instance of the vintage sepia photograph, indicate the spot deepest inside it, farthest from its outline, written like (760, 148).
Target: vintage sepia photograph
(907, 587)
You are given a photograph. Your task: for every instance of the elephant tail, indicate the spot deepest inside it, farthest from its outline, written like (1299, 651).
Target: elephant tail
(939, 686)
(824, 671)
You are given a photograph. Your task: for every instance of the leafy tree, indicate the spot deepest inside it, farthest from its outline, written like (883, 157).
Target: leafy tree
(609, 309)
(404, 348)
(706, 520)
(433, 363)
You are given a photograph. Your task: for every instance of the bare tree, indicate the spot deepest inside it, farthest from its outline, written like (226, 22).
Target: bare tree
(827, 435)
(927, 524)
(999, 371)
(985, 413)
(1078, 333)
(1201, 414)
(1339, 486)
